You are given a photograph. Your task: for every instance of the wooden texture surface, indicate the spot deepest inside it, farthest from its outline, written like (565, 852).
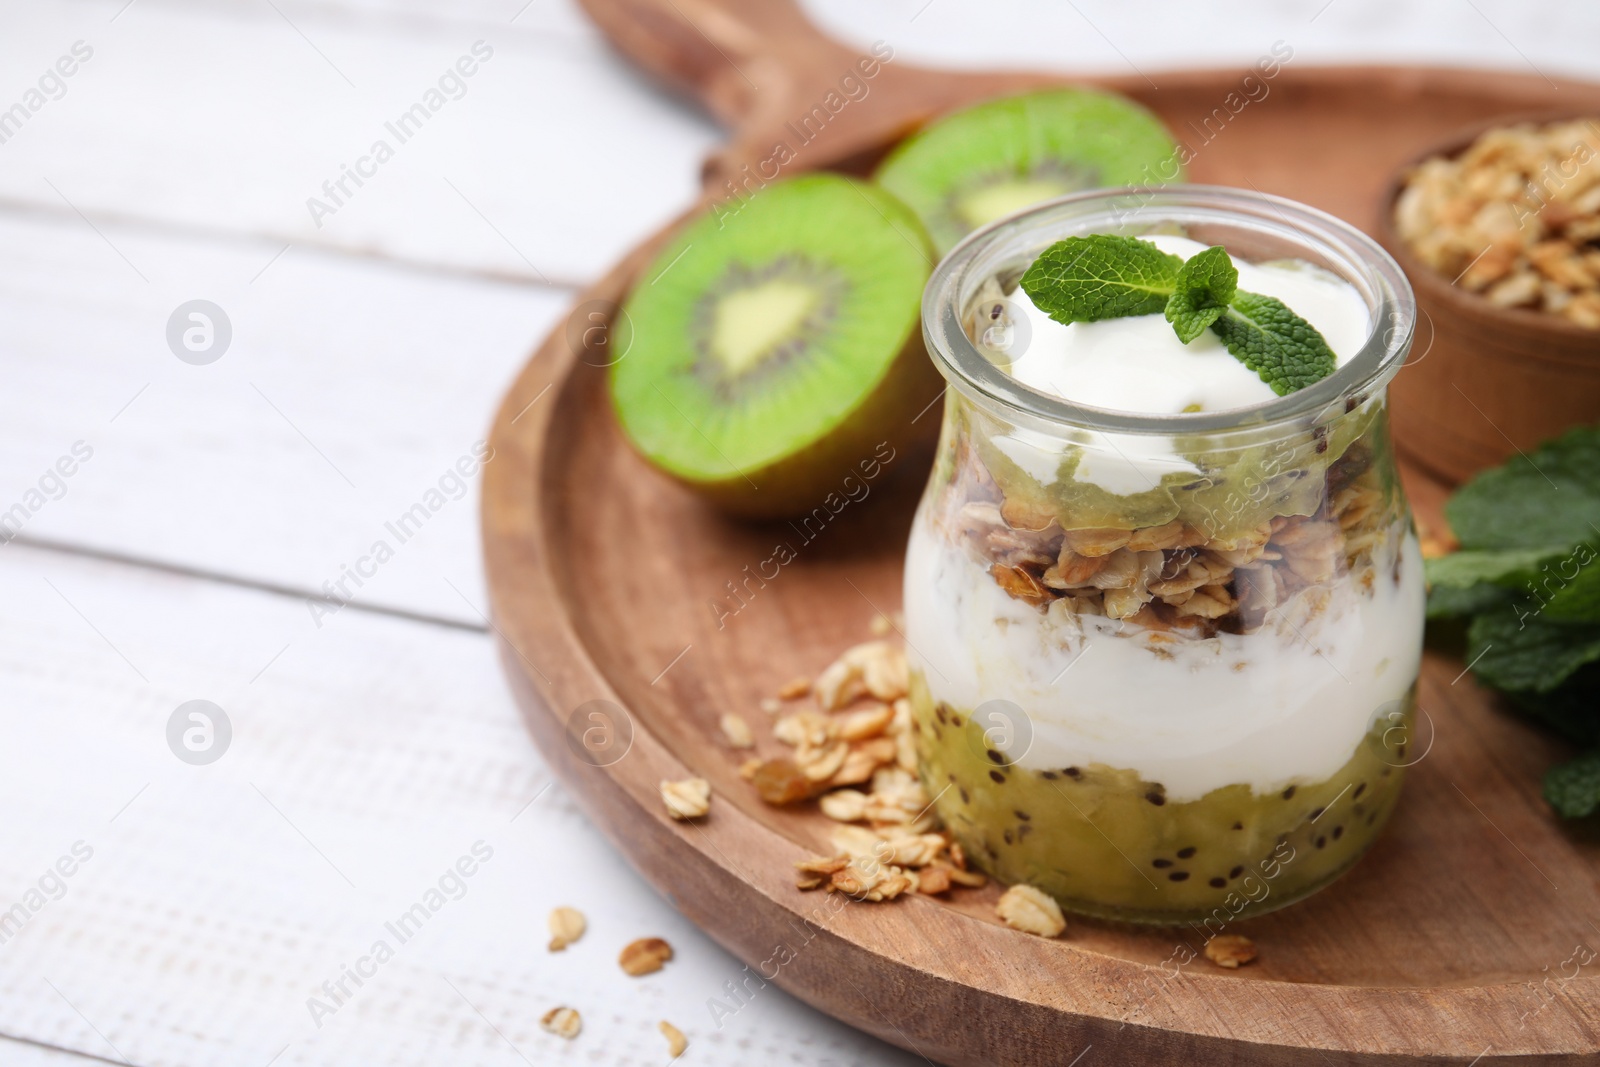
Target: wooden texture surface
(189, 145)
(1436, 949)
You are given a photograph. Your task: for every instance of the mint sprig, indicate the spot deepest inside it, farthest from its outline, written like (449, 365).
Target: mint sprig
(1527, 582)
(1206, 285)
(1087, 279)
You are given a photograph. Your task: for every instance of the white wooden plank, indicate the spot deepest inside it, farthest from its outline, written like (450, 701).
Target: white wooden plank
(547, 163)
(554, 17)
(15, 1053)
(366, 758)
(1107, 36)
(350, 391)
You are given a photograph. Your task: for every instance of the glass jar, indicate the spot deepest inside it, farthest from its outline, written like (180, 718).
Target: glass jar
(1163, 666)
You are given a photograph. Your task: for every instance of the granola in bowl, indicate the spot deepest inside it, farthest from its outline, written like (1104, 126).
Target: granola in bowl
(1515, 217)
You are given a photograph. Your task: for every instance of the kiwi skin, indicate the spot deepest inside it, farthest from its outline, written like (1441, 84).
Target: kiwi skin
(794, 485)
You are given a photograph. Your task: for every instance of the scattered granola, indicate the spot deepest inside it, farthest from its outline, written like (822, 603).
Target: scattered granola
(1516, 217)
(688, 799)
(871, 881)
(566, 926)
(856, 756)
(819, 870)
(865, 724)
(644, 956)
(1230, 950)
(676, 1042)
(971, 879)
(876, 667)
(737, 731)
(934, 880)
(563, 1022)
(795, 688)
(779, 782)
(845, 805)
(1022, 907)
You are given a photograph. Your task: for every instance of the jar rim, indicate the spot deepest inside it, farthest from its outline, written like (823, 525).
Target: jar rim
(1391, 304)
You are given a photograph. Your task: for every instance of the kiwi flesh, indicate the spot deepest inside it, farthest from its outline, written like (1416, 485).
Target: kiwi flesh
(995, 158)
(777, 346)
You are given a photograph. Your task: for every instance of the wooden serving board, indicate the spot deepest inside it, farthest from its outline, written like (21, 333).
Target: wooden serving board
(1468, 935)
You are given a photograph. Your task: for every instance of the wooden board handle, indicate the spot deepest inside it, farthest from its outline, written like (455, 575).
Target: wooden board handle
(724, 54)
(762, 69)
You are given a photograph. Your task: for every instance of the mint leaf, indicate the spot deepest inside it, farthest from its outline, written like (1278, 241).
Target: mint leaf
(1452, 602)
(1205, 285)
(1573, 788)
(1504, 567)
(1513, 648)
(1285, 350)
(1578, 599)
(1562, 584)
(1530, 572)
(1086, 279)
(1551, 497)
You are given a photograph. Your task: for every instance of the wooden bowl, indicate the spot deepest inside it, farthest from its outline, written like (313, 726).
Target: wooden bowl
(1451, 943)
(1484, 382)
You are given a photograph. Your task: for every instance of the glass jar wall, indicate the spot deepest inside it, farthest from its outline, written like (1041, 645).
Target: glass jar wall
(1163, 666)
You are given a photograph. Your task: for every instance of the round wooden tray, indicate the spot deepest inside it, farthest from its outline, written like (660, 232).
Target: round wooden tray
(1462, 938)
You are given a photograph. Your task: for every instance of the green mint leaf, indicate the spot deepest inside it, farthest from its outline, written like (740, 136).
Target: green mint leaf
(1455, 602)
(1562, 584)
(1518, 649)
(1505, 567)
(1086, 279)
(1575, 598)
(1285, 350)
(1551, 497)
(1205, 286)
(1573, 788)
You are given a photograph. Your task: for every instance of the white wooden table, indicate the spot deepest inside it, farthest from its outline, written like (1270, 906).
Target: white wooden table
(373, 746)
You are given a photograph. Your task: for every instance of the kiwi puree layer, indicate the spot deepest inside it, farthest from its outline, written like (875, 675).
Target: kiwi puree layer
(1106, 843)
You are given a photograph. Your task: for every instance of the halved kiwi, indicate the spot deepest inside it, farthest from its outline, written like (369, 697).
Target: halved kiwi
(777, 345)
(996, 158)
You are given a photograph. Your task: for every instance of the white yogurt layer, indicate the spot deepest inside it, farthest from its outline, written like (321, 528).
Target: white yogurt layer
(1137, 364)
(1288, 703)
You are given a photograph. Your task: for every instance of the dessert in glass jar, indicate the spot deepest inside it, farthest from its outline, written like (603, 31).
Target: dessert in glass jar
(1164, 613)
